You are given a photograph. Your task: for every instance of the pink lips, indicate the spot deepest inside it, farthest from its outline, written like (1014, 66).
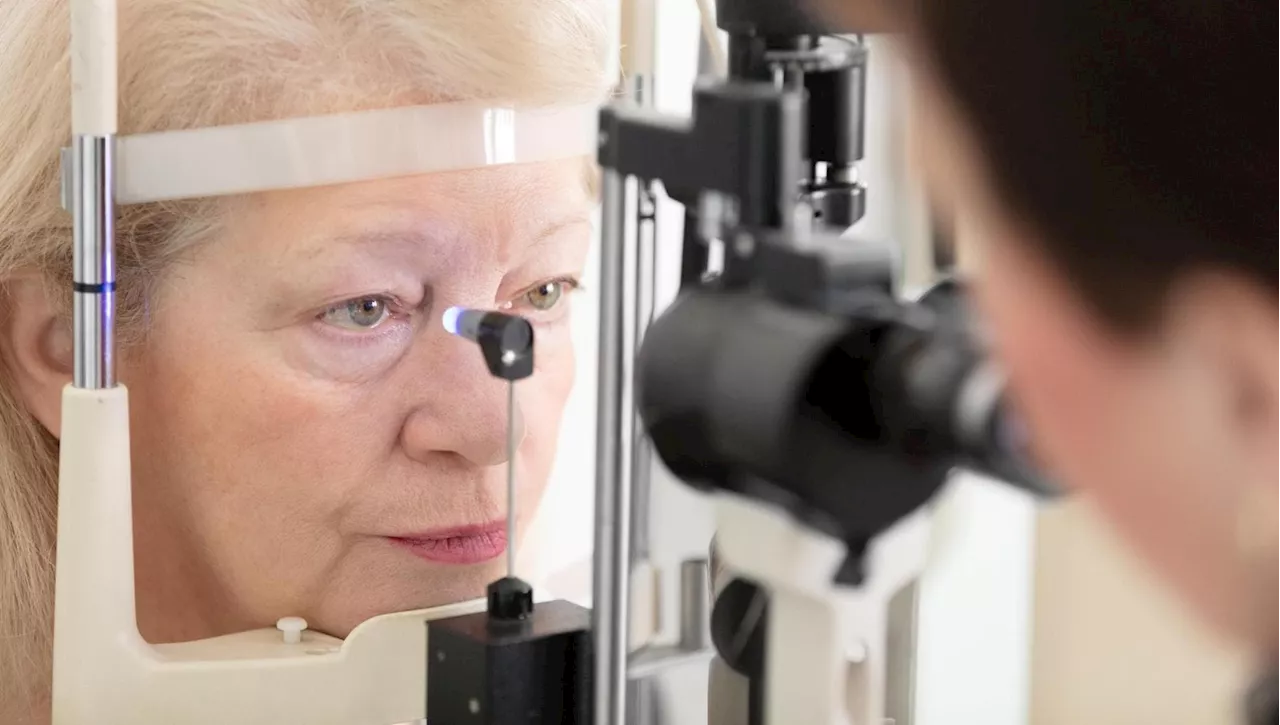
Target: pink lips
(458, 545)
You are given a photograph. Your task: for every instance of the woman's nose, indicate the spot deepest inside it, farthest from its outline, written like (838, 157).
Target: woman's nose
(463, 408)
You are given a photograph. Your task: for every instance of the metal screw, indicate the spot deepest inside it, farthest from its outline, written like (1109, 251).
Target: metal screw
(439, 655)
(474, 706)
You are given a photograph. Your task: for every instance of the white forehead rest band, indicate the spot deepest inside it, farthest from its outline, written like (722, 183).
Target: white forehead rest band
(342, 148)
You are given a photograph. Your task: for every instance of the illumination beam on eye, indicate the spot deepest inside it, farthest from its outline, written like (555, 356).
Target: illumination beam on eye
(512, 334)
(470, 323)
(452, 317)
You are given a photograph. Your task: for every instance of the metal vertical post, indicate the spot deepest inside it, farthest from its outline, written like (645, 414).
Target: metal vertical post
(641, 300)
(641, 694)
(612, 556)
(92, 204)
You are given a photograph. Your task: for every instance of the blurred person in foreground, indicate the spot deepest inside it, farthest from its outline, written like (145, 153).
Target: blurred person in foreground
(1111, 165)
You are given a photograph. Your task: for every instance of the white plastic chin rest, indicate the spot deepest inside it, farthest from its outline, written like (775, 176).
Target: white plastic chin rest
(105, 674)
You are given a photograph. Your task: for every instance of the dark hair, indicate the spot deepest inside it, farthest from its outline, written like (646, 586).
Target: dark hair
(1134, 136)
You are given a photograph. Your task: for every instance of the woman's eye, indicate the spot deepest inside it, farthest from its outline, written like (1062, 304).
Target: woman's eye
(546, 295)
(364, 313)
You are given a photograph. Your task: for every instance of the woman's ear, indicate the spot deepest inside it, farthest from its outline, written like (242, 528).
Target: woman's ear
(36, 346)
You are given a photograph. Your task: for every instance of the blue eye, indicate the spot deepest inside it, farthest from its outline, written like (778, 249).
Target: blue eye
(363, 313)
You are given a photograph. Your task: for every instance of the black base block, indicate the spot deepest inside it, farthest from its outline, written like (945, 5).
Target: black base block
(482, 671)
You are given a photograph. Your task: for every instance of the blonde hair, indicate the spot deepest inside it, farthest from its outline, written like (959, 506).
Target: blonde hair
(198, 63)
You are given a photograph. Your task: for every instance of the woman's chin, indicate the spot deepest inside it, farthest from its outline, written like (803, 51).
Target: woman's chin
(405, 594)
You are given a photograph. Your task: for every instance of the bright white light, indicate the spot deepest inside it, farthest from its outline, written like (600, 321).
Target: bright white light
(451, 318)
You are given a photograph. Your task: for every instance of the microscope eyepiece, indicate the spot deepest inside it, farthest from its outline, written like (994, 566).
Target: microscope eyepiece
(857, 417)
(944, 374)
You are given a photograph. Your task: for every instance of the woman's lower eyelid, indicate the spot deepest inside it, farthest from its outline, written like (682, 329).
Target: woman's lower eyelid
(386, 336)
(551, 317)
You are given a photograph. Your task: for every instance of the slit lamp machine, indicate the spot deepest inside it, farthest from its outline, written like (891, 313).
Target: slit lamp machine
(788, 379)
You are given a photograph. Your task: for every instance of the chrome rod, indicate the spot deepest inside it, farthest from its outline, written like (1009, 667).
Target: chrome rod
(641, 695)
(94, 273)
(511, 478)
(641, 301)
(612, 555)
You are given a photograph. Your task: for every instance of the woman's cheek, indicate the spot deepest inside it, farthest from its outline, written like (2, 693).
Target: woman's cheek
(325, 353)
(554, 360)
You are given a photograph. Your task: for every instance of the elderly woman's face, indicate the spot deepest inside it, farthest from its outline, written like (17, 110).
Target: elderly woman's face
(308, 439)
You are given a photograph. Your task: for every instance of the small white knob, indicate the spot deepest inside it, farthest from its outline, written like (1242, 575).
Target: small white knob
(292, 628)
(856, 652)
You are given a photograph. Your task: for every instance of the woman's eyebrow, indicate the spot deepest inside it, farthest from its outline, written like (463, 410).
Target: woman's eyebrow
(417, 236)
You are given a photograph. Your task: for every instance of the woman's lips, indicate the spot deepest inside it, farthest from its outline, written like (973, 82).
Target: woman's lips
(458, 545)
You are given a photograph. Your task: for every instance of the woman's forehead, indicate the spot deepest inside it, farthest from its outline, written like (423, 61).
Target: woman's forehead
(510, 188)
(513, 188)
(518, 207)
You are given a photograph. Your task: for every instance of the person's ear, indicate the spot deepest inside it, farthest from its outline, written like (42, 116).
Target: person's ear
(36, 345)
(1230, 326)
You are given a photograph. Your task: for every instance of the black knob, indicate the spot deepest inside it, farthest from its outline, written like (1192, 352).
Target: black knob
(738, 620)
(510, 600)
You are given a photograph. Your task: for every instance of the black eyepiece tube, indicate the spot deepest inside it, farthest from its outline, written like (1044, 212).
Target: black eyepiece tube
(854, 420)
(1005, 453)
(961, 400)
(957, 388)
